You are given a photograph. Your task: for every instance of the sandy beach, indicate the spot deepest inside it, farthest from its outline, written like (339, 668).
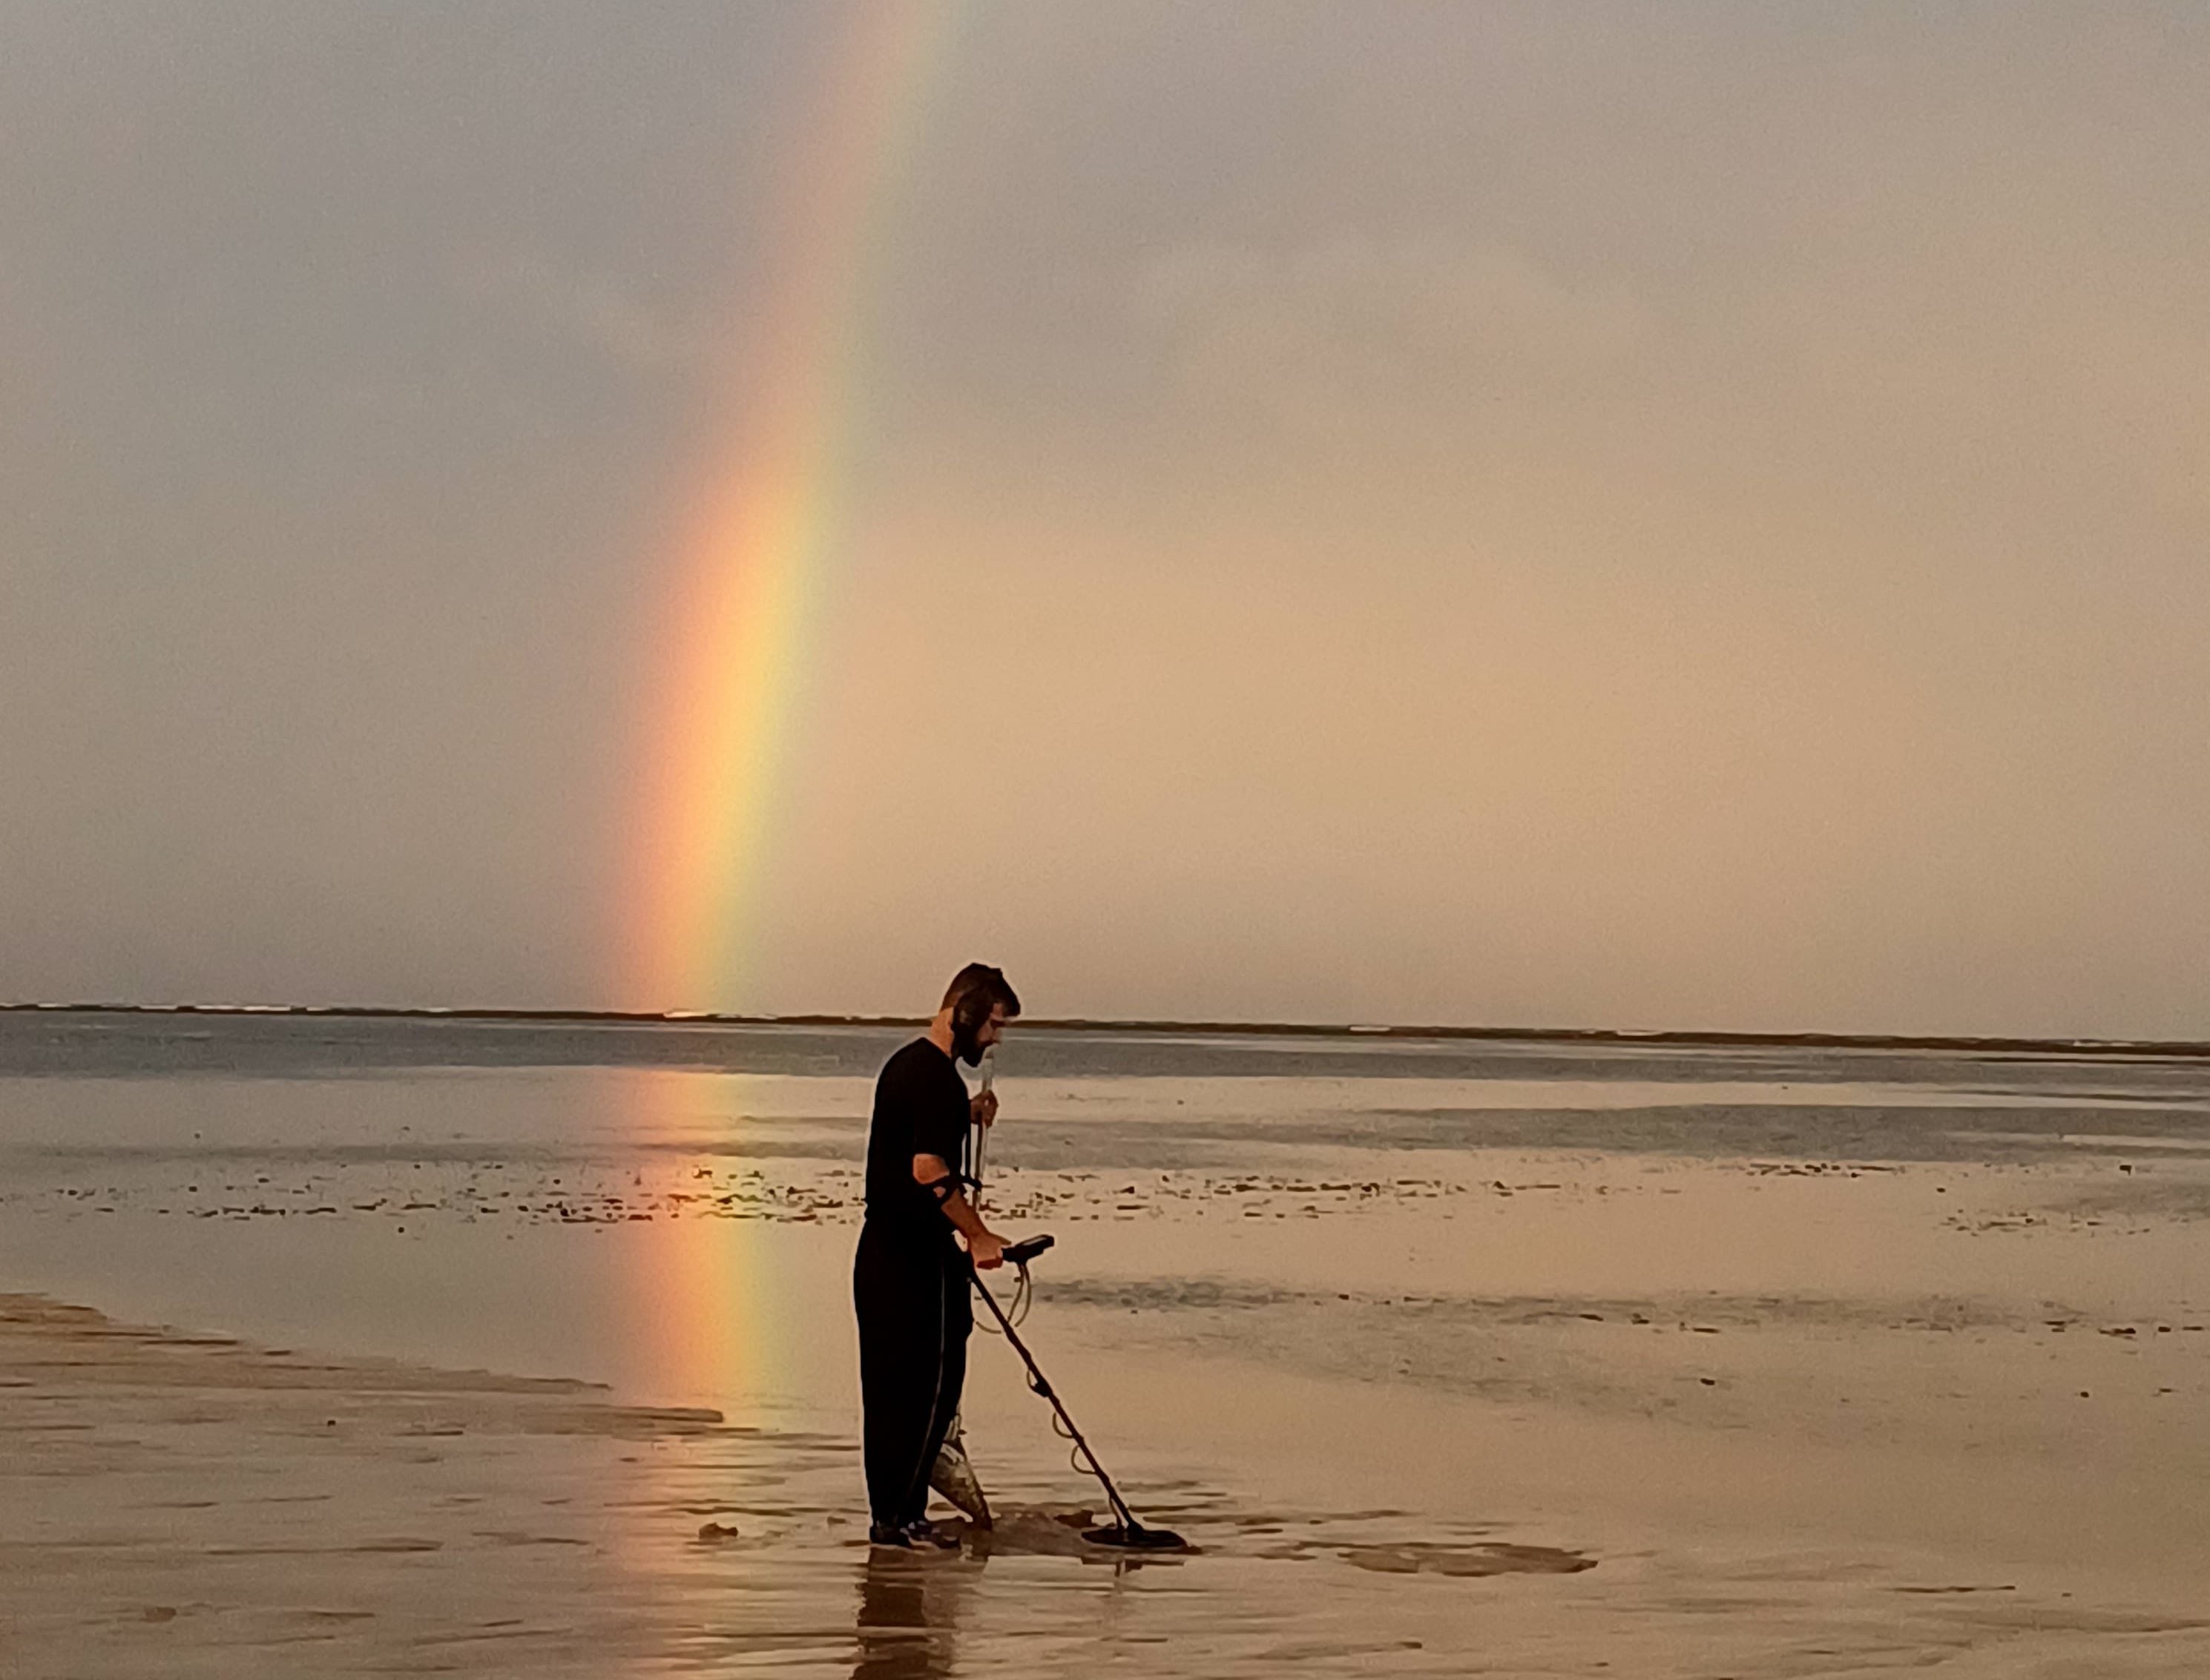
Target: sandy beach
(405, 1351)
(1521, 689)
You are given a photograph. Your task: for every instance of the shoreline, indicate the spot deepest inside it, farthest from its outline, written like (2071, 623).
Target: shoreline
(1436, 1379)
(182, 1504)
(1625, 1036)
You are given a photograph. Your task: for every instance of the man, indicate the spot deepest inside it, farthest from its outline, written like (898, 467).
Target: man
(909, 1281)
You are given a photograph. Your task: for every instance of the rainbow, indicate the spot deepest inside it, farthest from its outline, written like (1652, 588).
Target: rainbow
(770, 520)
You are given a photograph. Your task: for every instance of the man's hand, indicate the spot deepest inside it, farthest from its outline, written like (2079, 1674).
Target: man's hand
(987, 1250)
(983, 1108)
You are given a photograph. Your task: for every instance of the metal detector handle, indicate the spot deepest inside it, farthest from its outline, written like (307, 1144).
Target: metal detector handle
(981, 1133)
(1021, 1253)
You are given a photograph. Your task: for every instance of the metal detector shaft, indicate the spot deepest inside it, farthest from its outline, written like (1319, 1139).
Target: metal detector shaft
(981, 1133)
(1041, 1384)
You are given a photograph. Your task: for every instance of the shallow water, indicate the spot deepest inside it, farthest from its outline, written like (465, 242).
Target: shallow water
(1790, 1347)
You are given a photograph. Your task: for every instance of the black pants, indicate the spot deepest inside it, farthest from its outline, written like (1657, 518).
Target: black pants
(914, 1316)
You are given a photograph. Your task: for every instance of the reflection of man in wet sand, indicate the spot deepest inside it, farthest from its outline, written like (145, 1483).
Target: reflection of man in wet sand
(909, 1281)
(908, 1620)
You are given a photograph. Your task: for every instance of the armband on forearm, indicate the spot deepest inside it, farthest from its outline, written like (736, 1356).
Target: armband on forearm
(942, 1189)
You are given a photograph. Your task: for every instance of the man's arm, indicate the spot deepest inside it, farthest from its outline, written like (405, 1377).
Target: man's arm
(982, 1243)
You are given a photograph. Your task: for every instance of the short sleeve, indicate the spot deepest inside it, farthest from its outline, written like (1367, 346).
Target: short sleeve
(940, 1126)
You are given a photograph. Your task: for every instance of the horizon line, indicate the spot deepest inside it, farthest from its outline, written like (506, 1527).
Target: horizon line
(1683, 1036)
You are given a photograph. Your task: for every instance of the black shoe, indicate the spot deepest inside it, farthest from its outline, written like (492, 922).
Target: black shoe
(921, 1532)
(888, 1534)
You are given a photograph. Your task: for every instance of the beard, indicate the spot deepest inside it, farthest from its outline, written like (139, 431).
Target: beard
(967, 1041)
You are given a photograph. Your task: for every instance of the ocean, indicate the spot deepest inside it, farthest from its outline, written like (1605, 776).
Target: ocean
(1537, 1350)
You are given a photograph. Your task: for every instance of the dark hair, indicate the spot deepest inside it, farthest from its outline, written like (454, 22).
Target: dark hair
(975, 990)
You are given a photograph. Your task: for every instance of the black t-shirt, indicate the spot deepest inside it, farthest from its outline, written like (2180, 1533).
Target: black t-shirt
(920, 1109)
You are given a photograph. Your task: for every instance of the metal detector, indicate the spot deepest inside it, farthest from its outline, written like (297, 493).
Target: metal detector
(1124, 1531)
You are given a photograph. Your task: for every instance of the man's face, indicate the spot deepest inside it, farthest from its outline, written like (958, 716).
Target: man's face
(970, 1049)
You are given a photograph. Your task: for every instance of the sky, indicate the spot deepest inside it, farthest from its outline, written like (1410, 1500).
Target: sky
(1654, 515)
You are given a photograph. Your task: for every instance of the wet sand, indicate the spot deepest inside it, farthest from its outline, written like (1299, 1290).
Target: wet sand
(1656, 1481)
(1433, 1402)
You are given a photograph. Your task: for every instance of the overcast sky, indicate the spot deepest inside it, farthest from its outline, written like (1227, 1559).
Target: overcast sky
(1683, 515)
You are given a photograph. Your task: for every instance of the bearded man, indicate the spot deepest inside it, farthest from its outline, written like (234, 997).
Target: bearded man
(909, 1279)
